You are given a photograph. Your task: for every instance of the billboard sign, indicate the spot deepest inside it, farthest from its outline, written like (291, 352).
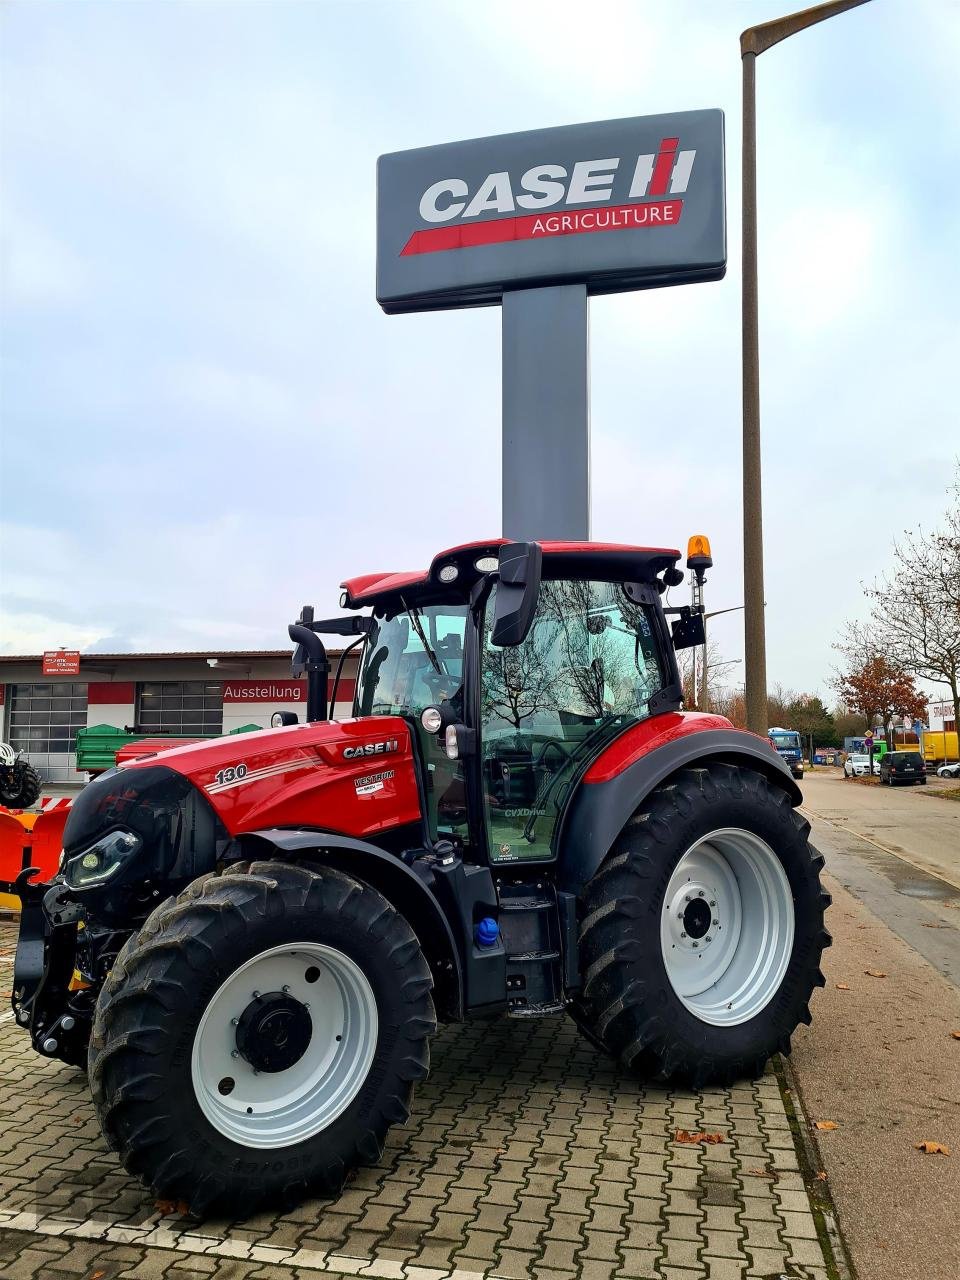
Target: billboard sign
(616, 205)
(61, 662)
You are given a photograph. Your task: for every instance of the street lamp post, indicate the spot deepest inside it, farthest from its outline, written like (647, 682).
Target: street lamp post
(703, 697)
(753, 42)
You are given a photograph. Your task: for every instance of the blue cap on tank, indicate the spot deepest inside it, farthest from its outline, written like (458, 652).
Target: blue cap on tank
(487, 932)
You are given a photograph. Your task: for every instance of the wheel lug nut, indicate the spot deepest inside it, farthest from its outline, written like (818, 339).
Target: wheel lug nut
(707, 938)
(285, 989)
(695, 945)
(686, 897)
(234, 1053)
(683, 935)
(234, 1022)
(712, 903)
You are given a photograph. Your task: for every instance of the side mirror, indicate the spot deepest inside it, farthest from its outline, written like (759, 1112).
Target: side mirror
(517, 592)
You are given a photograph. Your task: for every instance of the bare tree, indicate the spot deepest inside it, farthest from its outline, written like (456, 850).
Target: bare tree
(915, 609)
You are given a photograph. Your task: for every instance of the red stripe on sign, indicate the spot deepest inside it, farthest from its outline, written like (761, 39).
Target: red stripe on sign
(538, 226)
(663, 166)
(105, 693)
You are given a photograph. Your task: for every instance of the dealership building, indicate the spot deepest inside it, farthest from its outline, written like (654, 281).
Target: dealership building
(46, 698)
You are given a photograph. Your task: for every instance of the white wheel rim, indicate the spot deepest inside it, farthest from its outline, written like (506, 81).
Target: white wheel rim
(727, 927)
(279, 1108)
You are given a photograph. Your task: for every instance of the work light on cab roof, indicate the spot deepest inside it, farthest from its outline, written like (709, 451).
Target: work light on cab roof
(518, 818)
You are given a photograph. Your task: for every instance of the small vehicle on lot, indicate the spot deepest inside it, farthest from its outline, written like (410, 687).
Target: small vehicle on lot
(20, 784)
(949, 770)
(857, 766)
(250, 940)
(903, 767)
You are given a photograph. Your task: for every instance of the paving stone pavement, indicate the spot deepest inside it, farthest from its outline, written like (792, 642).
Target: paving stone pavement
(527, 1155)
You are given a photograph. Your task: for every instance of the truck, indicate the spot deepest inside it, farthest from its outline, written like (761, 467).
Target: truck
(939, 746)
(250, 940)
(789, 747)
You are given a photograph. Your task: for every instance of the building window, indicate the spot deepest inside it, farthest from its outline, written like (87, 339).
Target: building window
(44, 719)
(187, 707)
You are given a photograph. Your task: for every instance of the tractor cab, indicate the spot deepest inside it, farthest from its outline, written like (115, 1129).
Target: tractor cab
(515, 665)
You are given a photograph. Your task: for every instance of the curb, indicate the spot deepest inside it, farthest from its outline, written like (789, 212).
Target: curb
(839, 1263)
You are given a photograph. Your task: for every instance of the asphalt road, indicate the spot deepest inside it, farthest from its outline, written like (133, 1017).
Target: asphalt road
(913, 822)
(879, 1059)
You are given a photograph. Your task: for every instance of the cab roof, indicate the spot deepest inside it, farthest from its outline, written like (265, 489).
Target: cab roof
(608, 561)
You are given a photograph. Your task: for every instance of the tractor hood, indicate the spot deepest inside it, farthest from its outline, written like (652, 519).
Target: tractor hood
(167, 818)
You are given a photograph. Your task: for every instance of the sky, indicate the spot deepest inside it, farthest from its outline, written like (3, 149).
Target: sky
(206, 420)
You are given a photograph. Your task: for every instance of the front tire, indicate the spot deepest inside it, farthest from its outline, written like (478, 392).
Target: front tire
(22, 789)
(666, 990)
(257, 1038)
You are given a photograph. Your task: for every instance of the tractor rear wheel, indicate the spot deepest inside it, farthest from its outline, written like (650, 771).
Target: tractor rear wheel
(701, 932)
(259, 1035)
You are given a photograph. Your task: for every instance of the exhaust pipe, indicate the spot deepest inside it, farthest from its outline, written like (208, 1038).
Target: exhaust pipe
(310, 659)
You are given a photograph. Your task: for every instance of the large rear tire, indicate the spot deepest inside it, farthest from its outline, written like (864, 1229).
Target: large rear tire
(259, 1035)
(701, 932)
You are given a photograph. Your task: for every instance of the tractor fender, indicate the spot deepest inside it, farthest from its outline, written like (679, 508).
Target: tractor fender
(637, 762)
(402, 887)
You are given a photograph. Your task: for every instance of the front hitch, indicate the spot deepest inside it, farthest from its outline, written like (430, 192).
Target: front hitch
(44, 965)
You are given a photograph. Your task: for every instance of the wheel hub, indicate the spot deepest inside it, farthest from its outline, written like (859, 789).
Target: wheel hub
(693, 915)
(273, 1032)
(696, 918)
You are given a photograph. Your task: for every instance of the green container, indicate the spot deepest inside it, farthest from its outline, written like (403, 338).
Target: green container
(97, 745)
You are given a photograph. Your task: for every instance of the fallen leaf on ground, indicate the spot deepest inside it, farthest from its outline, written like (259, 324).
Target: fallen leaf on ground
(172, 1208)
(826, 1124)
(822, 1175)
(875, 973)
(955, 1034)
(697, 1135)
(935, 926)
(931, 1148)
(843, 986)
(97, 1275)
(761, 1173)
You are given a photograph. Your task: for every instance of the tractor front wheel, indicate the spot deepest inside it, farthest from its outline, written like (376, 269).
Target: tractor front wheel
(21, 787)
(701, 932)
(258, 1037)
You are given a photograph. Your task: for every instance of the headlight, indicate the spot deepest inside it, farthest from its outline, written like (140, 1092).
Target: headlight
(431, 719)
(100, 861)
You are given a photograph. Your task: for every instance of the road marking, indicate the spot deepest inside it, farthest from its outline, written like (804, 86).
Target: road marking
(937, 875)
(151, 1235)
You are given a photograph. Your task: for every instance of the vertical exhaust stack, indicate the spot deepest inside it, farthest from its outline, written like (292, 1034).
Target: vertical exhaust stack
(310, 659)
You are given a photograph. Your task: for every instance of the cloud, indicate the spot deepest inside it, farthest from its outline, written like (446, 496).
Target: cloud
(38, 270)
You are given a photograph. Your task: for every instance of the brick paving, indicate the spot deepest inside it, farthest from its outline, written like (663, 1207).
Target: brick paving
(528, 1155)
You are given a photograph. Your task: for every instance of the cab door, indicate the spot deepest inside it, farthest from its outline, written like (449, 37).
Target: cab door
(586, 672)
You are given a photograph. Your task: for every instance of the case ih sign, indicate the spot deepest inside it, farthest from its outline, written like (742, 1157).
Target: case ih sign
(622, 204)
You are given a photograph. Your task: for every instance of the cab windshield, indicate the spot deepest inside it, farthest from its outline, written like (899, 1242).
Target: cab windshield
(411, 661)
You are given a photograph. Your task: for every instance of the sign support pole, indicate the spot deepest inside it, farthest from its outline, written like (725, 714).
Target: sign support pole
(546, 414)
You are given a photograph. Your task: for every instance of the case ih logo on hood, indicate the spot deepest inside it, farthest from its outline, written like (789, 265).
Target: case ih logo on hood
(548, 187)
(370, 749)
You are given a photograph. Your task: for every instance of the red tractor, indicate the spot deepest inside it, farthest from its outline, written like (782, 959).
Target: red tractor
(250, 940)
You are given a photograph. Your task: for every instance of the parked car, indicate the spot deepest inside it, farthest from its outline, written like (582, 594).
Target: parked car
(856, 766)
(949, 770)
(903, 766)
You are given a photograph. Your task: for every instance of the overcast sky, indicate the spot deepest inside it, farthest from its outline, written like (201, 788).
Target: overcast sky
(207, 420)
